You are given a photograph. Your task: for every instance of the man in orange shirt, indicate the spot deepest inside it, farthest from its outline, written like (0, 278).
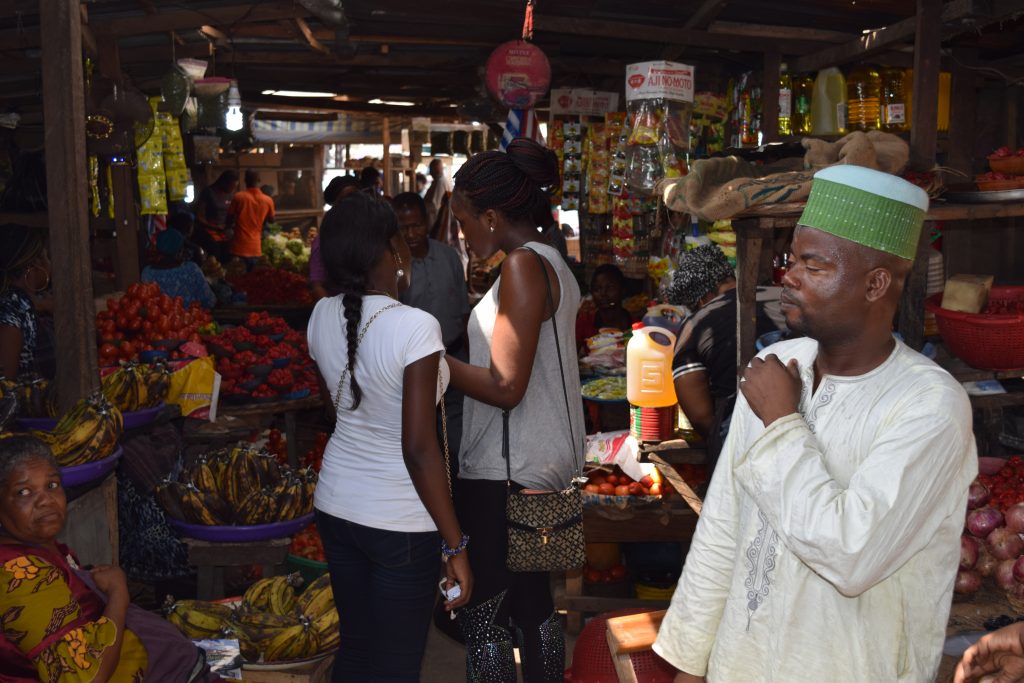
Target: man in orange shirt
(250, 211)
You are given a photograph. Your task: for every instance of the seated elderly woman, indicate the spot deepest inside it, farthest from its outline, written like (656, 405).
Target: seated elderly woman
(58, 621)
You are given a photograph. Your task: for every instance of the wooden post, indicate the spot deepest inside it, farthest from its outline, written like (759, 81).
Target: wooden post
(748, 265)
(927, 42)
(911, 313)
(126, 218)
(67, 180)
(770, 97)
(385, 136)
(963, 113)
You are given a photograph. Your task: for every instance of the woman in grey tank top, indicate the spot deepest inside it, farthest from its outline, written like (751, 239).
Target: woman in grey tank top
(501, 203)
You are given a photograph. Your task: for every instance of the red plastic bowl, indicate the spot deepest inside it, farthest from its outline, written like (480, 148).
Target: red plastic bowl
(984, 340)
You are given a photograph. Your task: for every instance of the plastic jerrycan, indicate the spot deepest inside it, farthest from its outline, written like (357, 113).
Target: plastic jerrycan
(649, 367)
(828, 104)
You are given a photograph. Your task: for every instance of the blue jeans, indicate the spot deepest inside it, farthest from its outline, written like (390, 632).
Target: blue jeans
(384, 586)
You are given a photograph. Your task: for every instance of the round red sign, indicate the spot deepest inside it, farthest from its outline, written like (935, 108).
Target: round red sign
(518, 74)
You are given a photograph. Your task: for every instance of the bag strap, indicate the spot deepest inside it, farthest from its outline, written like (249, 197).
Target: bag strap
(359, 341)
(505, 451)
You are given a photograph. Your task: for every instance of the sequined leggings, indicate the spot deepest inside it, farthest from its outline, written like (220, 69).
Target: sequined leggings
(481, 509)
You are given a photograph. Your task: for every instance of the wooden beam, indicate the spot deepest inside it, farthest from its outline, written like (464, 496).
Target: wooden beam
(927, 43)
(88, 39)
(312, 104)
(311, 40)
(770, 97)
(163, 53)
(699, 20)
(303, 58)
(735, 28)
(683, 38)
(955, 17)
(225, 17)
(66, 178)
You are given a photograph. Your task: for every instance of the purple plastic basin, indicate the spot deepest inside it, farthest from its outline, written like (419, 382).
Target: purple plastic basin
(76, 475)
(132, 419)
(240, 534)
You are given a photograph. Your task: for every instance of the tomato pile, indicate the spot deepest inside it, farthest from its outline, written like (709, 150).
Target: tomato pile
(307, 544)
(1006, 486)
(278, 445)
(618, 483)
(1005, 151)
(314, 457)
(610, 575)
(145, 319)
(272, 286)
(263, 359)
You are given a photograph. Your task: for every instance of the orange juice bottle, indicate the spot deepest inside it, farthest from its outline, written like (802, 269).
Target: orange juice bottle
(649, 367)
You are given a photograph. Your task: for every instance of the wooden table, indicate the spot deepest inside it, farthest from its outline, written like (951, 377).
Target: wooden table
(210, 559)
(756, 228)
(297, 317)
(286, 408)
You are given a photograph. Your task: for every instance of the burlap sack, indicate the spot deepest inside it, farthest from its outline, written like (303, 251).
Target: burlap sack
(724, 187)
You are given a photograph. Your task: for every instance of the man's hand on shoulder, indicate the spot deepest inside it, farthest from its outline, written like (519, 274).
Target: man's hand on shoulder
(771, 388)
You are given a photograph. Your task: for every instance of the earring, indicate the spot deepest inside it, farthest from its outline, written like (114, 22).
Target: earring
(399, 271)
(492, 227)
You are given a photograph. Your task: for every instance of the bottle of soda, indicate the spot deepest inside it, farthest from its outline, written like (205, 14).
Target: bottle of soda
(785, 102)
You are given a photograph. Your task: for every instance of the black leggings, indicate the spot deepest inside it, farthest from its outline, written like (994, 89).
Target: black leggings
(480, 504)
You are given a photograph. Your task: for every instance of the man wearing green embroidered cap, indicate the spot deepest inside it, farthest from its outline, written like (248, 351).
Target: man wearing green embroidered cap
(828, 543)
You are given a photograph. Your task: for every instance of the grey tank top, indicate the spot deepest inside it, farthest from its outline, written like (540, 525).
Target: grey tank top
(543, 453)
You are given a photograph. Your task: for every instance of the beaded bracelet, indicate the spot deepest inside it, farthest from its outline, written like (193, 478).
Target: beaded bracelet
(447, 551)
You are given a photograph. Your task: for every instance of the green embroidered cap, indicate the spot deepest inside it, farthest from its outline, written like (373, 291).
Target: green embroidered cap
(876, 209)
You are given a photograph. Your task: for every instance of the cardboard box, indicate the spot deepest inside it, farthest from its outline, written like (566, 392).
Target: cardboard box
(316, 672)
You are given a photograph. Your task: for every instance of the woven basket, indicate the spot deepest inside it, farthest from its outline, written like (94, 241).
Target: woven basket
(985, 341)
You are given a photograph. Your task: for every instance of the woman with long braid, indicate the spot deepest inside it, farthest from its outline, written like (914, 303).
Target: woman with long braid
(501, 202)
(383, 503)
(24, 274)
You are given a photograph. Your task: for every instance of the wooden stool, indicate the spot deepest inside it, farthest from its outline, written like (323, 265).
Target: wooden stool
(211, 558)
(629, 634)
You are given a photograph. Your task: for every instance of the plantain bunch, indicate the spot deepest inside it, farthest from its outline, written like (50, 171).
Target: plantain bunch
(271, 622)
(87, 432)
(134, 386)
(35, 395)
(240, 486)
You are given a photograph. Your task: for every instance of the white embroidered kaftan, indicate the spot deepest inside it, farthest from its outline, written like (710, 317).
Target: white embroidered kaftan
(829, 542)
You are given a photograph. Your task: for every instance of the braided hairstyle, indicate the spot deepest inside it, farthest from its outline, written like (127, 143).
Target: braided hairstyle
(19, 247)
(699, 272)
(513, 182)
(353, 238)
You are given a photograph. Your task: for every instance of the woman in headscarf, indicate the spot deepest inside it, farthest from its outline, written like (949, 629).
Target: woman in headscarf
(24, 274)
(175, 275)
(704, 367)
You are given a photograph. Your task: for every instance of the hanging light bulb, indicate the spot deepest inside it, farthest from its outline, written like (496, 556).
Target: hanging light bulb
(234, 120)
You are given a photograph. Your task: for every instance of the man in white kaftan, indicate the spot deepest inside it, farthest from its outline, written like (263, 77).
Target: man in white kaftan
(828, 543)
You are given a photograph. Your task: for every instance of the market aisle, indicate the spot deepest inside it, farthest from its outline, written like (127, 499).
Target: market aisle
(445, 660)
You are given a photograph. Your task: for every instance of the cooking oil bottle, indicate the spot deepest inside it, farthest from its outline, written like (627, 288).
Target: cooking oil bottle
(649, 367)
(863, 89)
(800, 120)
(894, 106)
(785, 102)
(828, 105)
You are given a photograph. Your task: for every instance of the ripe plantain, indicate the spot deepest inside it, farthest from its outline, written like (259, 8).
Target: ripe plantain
(202, 476)
(197, 506)
(297, 642)
(170, 495)
(315, 602)
(326, 628)
(199, 619)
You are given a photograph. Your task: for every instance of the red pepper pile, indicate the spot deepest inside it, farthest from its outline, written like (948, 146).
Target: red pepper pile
(272, 286)
(1006, 486)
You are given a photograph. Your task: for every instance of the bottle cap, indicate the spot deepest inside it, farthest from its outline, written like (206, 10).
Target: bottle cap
(637, 326)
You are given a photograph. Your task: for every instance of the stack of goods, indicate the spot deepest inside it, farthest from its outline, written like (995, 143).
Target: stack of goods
(271, 622)
(135, 386)
(991, 546)
(722, 234)
(1007, 170)
(86, 433)
(288, 251)
(617, 483)
(263, 361)
(606, 354)
(147, 320)
(239, 486)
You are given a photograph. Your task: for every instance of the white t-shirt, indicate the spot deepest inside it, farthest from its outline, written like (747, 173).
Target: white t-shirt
(364, 478)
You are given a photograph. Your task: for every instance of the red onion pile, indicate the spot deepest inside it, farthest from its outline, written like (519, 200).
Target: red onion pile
(993, 545)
